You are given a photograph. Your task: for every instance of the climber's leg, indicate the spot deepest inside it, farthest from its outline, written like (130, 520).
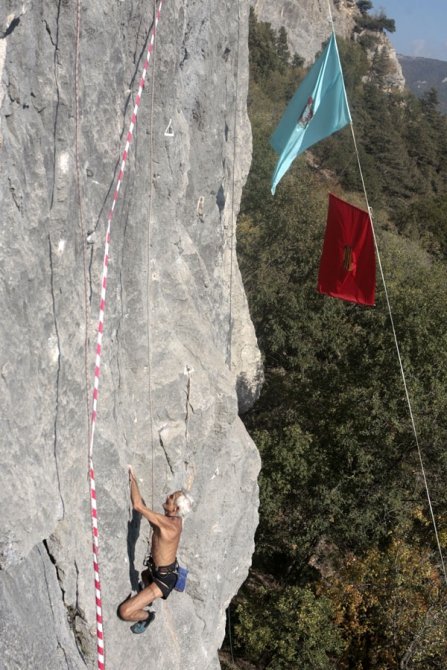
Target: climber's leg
(132, 609)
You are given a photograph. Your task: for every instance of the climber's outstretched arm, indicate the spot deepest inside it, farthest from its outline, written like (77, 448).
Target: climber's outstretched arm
(139, 506)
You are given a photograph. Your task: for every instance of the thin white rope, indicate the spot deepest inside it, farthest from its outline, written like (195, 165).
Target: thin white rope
(149, 272)
(149, 287)
(330, 15)
(82, 224)
(407, 395)
(233, 221)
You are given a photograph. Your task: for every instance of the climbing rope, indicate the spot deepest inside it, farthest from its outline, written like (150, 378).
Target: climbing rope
(229, 633)
(94, 512)
(95, 545)
(149, 273)
(233, 222)
(188, 371)
(189, 457)
(81, 221)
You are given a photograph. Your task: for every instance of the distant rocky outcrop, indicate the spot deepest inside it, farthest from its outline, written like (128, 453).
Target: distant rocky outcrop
(170, 392)
(307, 22)
(422, 74)
(307, 25)
(392, 78)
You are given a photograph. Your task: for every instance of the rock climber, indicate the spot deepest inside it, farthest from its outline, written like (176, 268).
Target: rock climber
(161, 575)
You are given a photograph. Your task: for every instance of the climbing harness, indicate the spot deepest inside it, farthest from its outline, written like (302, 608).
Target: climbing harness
(162, 571)
(95, 544)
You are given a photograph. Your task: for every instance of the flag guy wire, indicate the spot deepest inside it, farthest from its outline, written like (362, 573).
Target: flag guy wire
(325, 82)
(330, 15)
(407, 395)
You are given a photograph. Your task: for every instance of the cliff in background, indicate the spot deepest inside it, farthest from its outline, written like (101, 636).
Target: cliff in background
(182, 280)
(308, 25)
(307, 22)
(421, 74)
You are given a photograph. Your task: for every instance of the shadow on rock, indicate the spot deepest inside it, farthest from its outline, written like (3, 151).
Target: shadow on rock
(133, 533)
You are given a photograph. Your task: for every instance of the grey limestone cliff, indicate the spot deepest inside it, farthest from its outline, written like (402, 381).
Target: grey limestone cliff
(393, 78)
(308, 25)
(307, 22)
(179, 354)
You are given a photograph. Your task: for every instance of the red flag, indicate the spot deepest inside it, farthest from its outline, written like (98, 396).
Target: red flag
(348, 262)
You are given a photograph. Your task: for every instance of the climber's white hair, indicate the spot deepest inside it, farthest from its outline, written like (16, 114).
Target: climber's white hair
(184, 502)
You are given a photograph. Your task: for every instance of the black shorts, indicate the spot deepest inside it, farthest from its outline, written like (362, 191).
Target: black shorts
(165, 577)
(165, 582)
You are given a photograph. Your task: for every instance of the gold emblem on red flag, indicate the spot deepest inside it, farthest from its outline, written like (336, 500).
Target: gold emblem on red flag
(347, 258)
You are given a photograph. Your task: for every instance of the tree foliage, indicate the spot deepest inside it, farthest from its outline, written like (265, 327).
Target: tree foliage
(402, 140)
(364, 5)
(425, 221)
(288, 628)
(378, 22)
(346, 572)
(390, 608)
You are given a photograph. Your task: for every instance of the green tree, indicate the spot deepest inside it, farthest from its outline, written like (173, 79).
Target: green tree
(391, 609)
(425, 221)
(368, 41)
(262, 46)
(297, 60)
(376, 22)
(364, 5)
(282, 47)
(340, 479)
(287, 628)
(380, 65)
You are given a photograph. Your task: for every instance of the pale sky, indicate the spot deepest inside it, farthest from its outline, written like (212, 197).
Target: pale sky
(421, 26)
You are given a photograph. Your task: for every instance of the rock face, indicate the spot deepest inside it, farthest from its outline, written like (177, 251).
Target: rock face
(393, 79)
(307, 22)
(179, 354)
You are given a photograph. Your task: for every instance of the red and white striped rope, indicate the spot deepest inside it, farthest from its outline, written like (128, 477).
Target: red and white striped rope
(99, 619)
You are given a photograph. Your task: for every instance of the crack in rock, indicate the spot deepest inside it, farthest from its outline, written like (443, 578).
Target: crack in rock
(165, 452)
(12, 26)
(57, 374)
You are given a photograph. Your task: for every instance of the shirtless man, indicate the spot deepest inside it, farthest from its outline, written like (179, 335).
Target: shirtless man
(161, 575)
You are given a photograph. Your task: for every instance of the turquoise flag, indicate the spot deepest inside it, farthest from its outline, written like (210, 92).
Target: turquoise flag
(318, 109)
